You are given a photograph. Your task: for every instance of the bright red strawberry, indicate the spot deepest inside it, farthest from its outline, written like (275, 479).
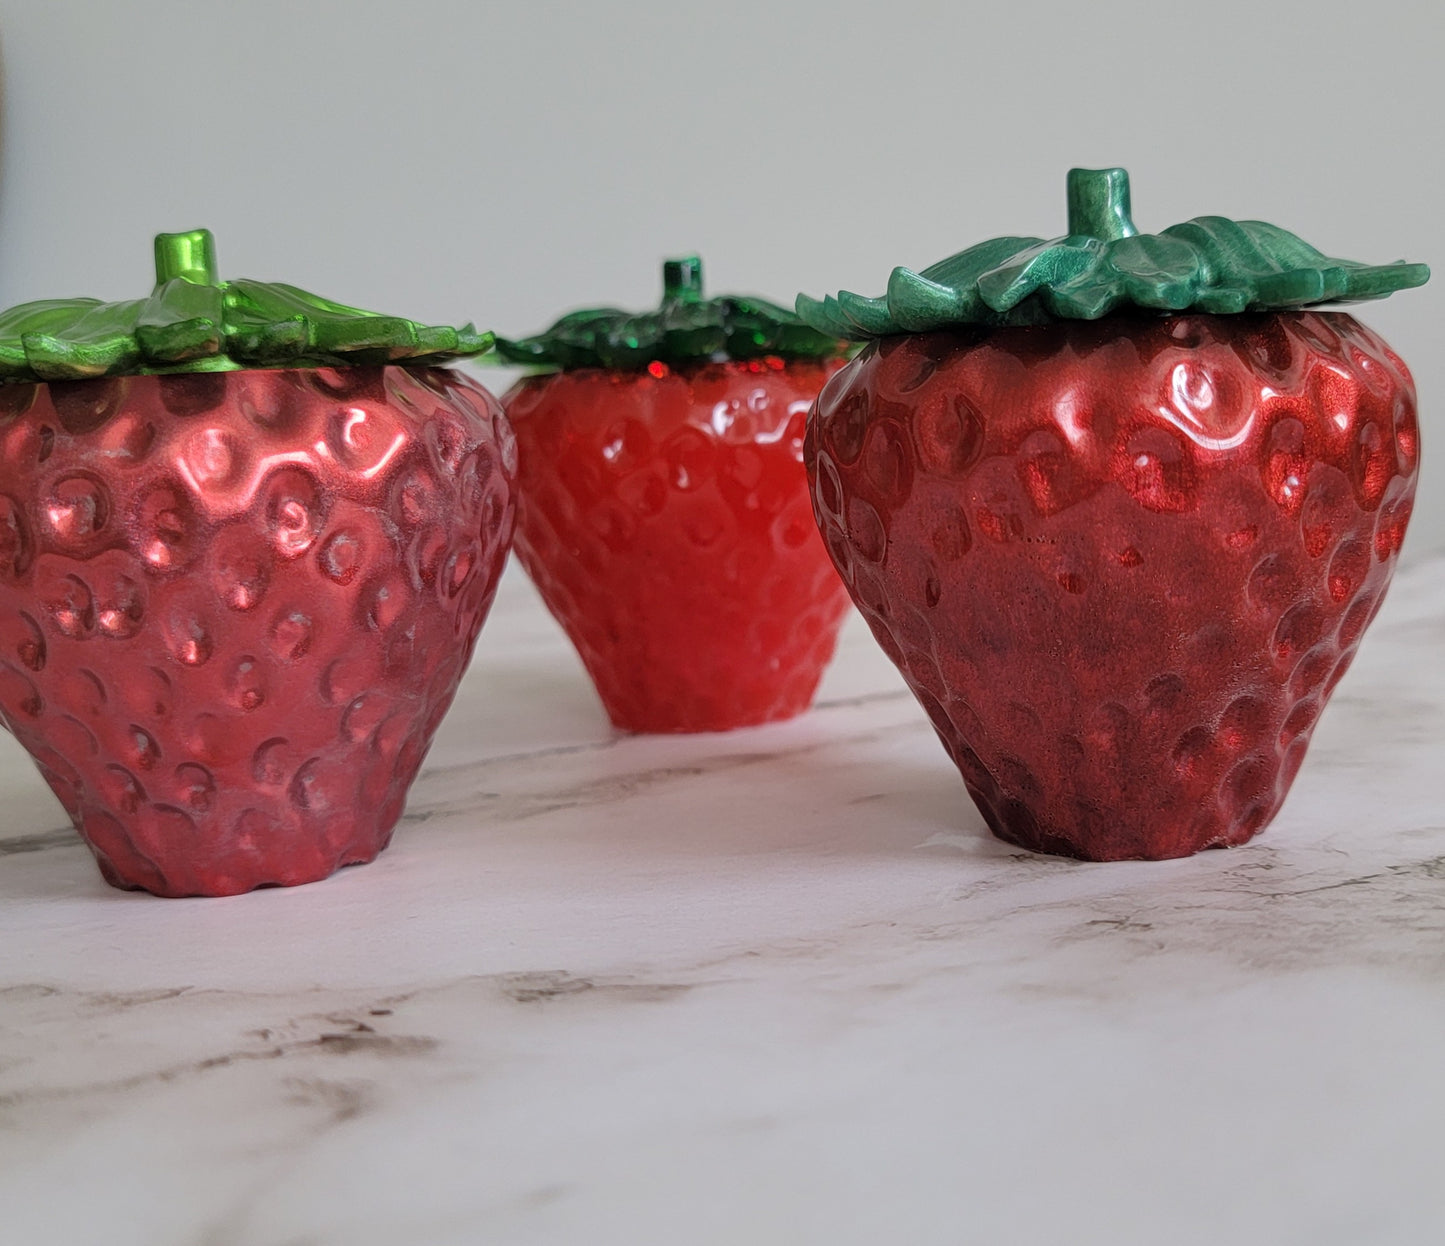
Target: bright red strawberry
(235, 605)
(1121, 562)
(664, 511)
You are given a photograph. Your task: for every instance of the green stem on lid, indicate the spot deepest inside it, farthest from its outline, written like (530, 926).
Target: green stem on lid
(687, 329)
(195, 322)
(1210, 265)
(682, 280)
(190, 256)
(1099, 204)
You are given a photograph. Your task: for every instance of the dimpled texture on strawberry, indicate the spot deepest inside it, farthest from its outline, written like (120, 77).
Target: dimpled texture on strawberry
(1122, 564)
(235, 606)
(664, 517)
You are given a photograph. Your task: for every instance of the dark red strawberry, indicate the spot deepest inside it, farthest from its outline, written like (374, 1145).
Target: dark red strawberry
(1121, 562)
(235, 605)
(663, 507)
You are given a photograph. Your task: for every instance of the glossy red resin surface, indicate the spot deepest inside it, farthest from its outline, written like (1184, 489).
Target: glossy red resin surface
(234, 607)
(1122, 564)
(664, 517)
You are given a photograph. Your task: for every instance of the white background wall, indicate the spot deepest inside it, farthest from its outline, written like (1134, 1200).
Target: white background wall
(503, 162)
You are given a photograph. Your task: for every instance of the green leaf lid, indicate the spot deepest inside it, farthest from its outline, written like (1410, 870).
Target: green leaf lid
(1209, 264)
(685, 329)
(194, 322)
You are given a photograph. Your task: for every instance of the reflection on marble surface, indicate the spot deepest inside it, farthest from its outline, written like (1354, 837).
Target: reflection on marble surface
(772, 986)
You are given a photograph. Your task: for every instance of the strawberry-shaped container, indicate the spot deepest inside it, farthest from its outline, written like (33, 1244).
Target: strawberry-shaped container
(247, 540)
(663, 507)
(1120, 507)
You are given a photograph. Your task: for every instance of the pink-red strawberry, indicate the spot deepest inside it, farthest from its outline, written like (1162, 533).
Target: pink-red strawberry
(1121, 561)
(235, 605)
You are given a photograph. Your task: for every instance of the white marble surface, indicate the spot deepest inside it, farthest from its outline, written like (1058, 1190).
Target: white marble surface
(777, 986)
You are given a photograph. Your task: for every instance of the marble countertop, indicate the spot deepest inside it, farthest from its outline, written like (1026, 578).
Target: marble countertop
(771, 986)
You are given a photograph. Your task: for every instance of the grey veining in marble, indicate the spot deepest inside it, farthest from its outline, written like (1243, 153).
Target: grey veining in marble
(772, 986)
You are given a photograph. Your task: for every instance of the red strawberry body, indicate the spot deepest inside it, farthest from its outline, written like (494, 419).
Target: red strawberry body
(1121, 563)
(664, 516)
(235, 606)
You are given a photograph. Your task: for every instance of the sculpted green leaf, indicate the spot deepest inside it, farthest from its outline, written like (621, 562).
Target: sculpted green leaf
(194, 322)
(1102, 265)
(686, 328)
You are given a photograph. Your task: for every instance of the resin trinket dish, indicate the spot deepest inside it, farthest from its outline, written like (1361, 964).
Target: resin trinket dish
(1120, 507)
(248, 538)
(663, 506)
